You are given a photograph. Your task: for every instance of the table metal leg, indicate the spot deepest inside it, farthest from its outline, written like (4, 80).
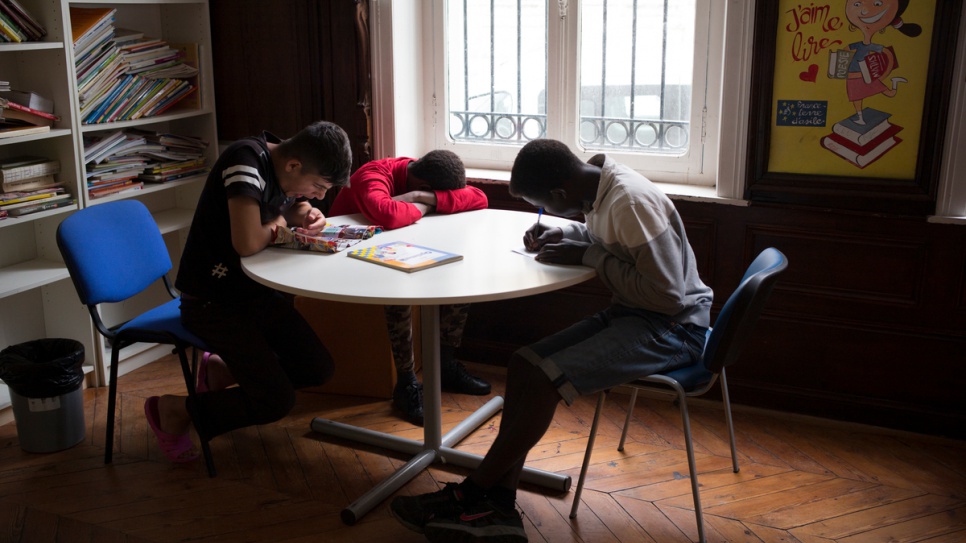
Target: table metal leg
(435, 447)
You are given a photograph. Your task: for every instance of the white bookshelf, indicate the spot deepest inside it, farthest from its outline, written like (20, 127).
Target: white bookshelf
(37, 298)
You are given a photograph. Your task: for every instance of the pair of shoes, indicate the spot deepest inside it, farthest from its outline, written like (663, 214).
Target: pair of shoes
(482, 522)
(407, 397)
(414, 512)
(202, 385)
(454, 378)
(176, 448)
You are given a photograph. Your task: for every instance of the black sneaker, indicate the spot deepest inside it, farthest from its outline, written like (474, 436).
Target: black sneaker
(454, 378)
(407, 397)
(415, 511)
(481, 522)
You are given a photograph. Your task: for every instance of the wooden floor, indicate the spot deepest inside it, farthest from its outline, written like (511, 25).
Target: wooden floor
(801, 479)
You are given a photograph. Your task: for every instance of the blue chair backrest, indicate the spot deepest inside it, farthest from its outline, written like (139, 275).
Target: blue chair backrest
(112, 250)
(737, 318)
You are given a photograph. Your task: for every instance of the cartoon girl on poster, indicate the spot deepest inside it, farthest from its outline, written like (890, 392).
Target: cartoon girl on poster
(873, 63)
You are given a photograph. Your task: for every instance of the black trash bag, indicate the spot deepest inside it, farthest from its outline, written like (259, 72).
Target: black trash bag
(43, 368)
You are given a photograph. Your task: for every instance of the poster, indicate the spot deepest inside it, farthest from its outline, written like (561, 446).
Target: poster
(849, 88)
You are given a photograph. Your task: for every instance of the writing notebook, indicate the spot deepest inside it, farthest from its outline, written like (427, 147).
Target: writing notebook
(404, 256)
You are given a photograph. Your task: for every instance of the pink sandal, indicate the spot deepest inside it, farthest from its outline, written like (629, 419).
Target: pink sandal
(176, 448)
(202, 385)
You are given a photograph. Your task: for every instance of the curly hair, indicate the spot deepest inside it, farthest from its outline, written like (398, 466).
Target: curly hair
(541, 166)
(442, 169)
(323, 148)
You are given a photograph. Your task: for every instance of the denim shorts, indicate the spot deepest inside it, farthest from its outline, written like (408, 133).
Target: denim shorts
(615, 346)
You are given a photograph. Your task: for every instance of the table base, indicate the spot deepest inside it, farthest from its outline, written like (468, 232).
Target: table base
(423, 456)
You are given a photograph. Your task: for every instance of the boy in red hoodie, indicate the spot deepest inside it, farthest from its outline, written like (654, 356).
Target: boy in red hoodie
(396, 192)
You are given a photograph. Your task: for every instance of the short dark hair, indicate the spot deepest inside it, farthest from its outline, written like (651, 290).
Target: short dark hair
(323, 149)
(442, 169)
(541, 166)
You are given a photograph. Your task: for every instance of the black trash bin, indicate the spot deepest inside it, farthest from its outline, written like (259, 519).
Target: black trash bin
(44, 377)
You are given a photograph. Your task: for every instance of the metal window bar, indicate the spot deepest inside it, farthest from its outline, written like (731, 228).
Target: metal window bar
(654, 135)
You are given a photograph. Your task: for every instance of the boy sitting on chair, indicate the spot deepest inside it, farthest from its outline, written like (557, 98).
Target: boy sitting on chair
(265, 346)
(635, 239)
(393, 193)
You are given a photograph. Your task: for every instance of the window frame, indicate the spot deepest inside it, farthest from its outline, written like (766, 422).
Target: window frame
(563, 28)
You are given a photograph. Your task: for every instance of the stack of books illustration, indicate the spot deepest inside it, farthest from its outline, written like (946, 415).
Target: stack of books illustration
(863, 143)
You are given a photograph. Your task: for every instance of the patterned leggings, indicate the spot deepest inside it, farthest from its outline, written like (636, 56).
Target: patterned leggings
(399, 320)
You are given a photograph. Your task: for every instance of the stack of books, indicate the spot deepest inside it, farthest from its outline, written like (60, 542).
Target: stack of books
(30, 185)
(863, 143)
(124, 160)
(17, 24)
(23, 113)
(122, 74)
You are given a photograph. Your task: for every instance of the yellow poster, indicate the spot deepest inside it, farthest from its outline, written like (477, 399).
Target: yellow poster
(849, 87)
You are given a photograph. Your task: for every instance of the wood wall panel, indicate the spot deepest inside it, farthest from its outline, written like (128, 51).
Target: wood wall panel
(890, 271)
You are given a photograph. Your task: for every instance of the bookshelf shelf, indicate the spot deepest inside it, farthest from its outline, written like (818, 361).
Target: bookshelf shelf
(29, 275)
(189, 114)
(30, 46)
(38, 297)
(54, 133)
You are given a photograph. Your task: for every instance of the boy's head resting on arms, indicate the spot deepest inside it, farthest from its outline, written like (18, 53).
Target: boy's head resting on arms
(547, 174)
(314, 160)
(437, 170)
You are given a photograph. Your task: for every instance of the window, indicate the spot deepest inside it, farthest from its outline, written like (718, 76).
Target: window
(625, 77)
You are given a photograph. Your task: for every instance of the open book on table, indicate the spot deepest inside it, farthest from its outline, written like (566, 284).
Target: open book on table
(404, 256)
(331, 239)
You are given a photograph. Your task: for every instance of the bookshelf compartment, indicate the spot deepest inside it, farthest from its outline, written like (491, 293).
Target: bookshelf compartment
(46, 13)
(38, 296)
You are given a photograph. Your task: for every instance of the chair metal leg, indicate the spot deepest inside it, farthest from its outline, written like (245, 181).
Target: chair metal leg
(627, 420)
(731, 426)
(587, 453)
(189, 376)
(692, 467)
(111, 403)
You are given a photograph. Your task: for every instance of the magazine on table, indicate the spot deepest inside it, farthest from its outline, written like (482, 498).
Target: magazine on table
(332, 238)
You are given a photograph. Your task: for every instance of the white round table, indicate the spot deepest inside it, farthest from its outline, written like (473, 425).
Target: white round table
(490, 270)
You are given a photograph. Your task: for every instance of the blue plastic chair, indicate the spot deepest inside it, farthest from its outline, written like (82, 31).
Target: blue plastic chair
(113, 252)
(732, 329)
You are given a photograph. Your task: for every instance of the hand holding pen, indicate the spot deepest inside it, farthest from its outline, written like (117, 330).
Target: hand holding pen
(539, 235)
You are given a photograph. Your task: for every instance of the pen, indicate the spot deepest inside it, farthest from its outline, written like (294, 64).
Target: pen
(539, 214)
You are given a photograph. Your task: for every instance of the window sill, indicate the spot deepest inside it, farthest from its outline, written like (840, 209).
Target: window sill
(674, 191)
(941, 219)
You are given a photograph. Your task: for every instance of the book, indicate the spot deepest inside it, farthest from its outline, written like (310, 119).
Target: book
(864, 155)
(876, 122)
(8, 131)
(23, 167)
(24, 19)
(838, 63)
(127, 186)
(9, 198)
(876, 63)
(401, 255)
(30, 100)
(40, 204)
(332, 238)
(85, 22)
(33, 183)
(10, 30)
(8, 105)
